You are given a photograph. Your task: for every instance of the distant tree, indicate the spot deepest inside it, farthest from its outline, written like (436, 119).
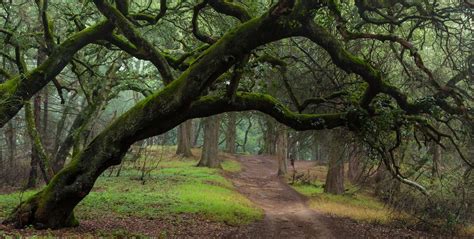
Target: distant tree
(335, 174)
(281, 150)
(185, 139)
(210, 148)
(231, 133)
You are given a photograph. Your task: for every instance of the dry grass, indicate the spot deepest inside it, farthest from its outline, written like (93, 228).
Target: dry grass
(359, 208)
(355, 204)
(468, 231)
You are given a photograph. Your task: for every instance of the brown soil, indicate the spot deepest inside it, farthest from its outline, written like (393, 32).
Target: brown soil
(286, 212)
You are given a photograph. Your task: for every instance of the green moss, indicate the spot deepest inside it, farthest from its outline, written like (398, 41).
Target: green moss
(9, 86)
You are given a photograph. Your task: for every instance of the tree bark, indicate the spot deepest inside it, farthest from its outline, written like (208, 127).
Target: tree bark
(184, 139)
(269, 135)
(281, 150)
(10, 134)
(437, 154)
(32, 178)
(354, 170)
(39, 154)
(246, 135)
(231, 133)
(45, 133)
(335, 176)
(197, 131)
(316, 147)
(210, 148)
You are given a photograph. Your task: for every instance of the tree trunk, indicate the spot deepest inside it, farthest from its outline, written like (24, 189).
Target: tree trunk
(437, 154)
(33, 175)
(197, 132)
(60, 128)
(44, 126)
(231, 133)
(246, 135)
(316, 147)
(39, 155)
(34, 153)
(184, 139)
(281, 151)
(210, 148)
(269, 135)
(335, 176)
(10, 134)
(354, 168)
(80, 124)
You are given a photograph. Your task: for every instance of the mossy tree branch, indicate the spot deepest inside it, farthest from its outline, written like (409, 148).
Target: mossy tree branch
(15, 91)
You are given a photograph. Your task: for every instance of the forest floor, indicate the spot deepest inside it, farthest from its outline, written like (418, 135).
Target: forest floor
(244, 200)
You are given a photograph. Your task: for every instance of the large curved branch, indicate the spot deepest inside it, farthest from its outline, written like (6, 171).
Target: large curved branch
(197, 33)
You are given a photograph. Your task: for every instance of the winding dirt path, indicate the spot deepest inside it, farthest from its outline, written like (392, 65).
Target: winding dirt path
(286, 212)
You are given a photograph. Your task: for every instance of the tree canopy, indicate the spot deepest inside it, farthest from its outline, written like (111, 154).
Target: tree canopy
(387, 70)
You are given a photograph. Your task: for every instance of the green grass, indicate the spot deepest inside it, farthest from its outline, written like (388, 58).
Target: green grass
(231, 166)
(178, 186)
(9, 201)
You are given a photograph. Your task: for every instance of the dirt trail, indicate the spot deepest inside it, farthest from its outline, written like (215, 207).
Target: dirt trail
(286, 212)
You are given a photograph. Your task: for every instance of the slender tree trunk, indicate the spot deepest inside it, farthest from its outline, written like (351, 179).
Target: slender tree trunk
(197, 132)
(33, 175)
(231, 133)
(210, 150)
(281, 150)
(437, 154)
(184, 139)
(316, 147)
(39, 152)
(60, 127)
(76, 134)
(34, 152)
(2, 163)
(246, 135)
(45, 122)
(10, 134)
(335, 176)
